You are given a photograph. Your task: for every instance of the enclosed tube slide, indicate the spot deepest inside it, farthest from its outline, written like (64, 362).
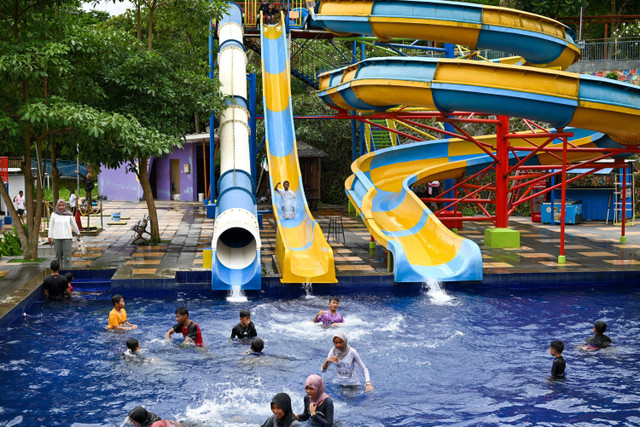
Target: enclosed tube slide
(236, 236)
(302, 251)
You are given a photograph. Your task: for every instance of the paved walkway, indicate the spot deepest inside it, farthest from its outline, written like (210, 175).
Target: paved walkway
(185, 232)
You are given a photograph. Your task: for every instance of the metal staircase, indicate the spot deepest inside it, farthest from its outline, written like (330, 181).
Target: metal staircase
(378, 137)
(627, 199)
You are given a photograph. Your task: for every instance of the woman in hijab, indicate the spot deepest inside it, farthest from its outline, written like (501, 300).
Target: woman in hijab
(346, 358)
(317, 404)
(141, 417)
(283, 415)
(61, 226)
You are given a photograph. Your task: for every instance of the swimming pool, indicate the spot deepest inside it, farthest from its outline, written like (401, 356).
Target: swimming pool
(480, 358)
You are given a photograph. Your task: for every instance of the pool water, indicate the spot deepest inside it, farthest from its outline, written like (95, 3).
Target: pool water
(467, 358)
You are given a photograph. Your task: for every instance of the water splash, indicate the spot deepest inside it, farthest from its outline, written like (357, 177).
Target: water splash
(308, 289)
(438, 296)
(236, 294)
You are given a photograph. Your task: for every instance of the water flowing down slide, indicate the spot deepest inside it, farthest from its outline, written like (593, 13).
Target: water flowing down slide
(302, 251)
(421, 245)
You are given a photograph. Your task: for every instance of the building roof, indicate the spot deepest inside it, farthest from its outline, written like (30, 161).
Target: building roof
(307, 151)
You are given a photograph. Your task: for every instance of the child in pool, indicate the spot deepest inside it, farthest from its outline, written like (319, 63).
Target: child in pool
(557, 369)
(133, 345)
(283, 415)
(317, 404)
(257, 345)
(190, 329)
(346, 358)
(331, 317)
(598, 339)
(69, 277)
(245, 329)
(118, 316)
(141, 417)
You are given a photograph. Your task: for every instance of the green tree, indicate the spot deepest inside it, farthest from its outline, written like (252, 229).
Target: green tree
(49, 89)
(165, 85)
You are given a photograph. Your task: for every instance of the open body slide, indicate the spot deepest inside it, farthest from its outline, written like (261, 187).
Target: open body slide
(302, 251)
(380, 187)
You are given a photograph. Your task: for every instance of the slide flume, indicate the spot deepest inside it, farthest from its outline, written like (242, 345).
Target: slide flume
(302, 251)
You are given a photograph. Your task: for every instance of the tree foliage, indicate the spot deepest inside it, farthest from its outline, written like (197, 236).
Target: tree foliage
(72, 78)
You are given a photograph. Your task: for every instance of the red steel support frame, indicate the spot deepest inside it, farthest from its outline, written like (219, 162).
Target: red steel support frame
(503, 205)
(502, 173)
(624, 202)
(563, 202)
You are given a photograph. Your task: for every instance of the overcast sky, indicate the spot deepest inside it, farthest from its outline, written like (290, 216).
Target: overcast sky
(116, 8)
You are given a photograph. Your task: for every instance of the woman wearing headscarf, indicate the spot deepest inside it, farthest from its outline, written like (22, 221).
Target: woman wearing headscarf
(346, 358)
(141, 417)
(283, 415)
(317, 404)
(61, 227)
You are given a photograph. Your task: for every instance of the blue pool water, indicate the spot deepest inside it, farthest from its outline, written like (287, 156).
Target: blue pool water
(477, 359)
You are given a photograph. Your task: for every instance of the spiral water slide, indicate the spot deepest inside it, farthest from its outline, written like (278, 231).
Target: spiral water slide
(236, 243)
(302, 251)
(606, 113)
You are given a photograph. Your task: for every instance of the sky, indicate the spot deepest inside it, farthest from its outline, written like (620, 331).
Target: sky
(116, 8)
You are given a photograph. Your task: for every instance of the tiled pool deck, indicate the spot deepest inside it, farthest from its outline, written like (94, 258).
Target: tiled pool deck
(593, 251)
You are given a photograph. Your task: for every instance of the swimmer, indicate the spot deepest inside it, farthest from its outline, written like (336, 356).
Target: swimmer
(346, 358)
(245, 329)
(598, 339)
(118, 316)
(257, 345)
(133, 345)
(331, 317)
(141, 417)
(317, 404)
(69, 276)
(56, 286)
(190, 329)
(283, 415)
(557, 369)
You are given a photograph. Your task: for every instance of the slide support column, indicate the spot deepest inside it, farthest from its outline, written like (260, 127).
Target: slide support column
(502, 236)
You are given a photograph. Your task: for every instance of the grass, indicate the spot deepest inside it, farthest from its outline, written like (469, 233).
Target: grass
(34, 261)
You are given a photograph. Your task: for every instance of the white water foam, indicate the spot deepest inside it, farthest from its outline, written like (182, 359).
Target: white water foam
(236, 294)
(235, 406)
(435, 292)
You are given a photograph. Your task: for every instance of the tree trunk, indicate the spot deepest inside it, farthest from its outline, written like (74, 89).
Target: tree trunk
(143, 176)
(55, 173)
(150, 29)
(138, 23)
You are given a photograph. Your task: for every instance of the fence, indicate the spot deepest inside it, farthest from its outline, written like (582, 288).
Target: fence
(611, 50)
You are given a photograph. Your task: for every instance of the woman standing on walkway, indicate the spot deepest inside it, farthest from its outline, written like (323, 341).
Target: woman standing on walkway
(61, 227)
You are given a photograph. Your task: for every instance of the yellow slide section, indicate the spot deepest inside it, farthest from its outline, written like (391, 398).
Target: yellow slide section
(302, 251)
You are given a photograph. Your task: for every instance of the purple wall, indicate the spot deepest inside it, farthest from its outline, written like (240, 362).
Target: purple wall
(188, 181)
(118, 184)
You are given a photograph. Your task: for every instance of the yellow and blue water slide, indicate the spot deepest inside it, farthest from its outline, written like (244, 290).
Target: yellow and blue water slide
(539, 40)
(379, 188)
(302, 251)
(236, 260)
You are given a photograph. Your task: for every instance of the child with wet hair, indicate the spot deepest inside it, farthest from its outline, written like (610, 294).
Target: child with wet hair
(244, 330)
(557, 369)
(133, 345)
(331, 317)
(599, 339)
